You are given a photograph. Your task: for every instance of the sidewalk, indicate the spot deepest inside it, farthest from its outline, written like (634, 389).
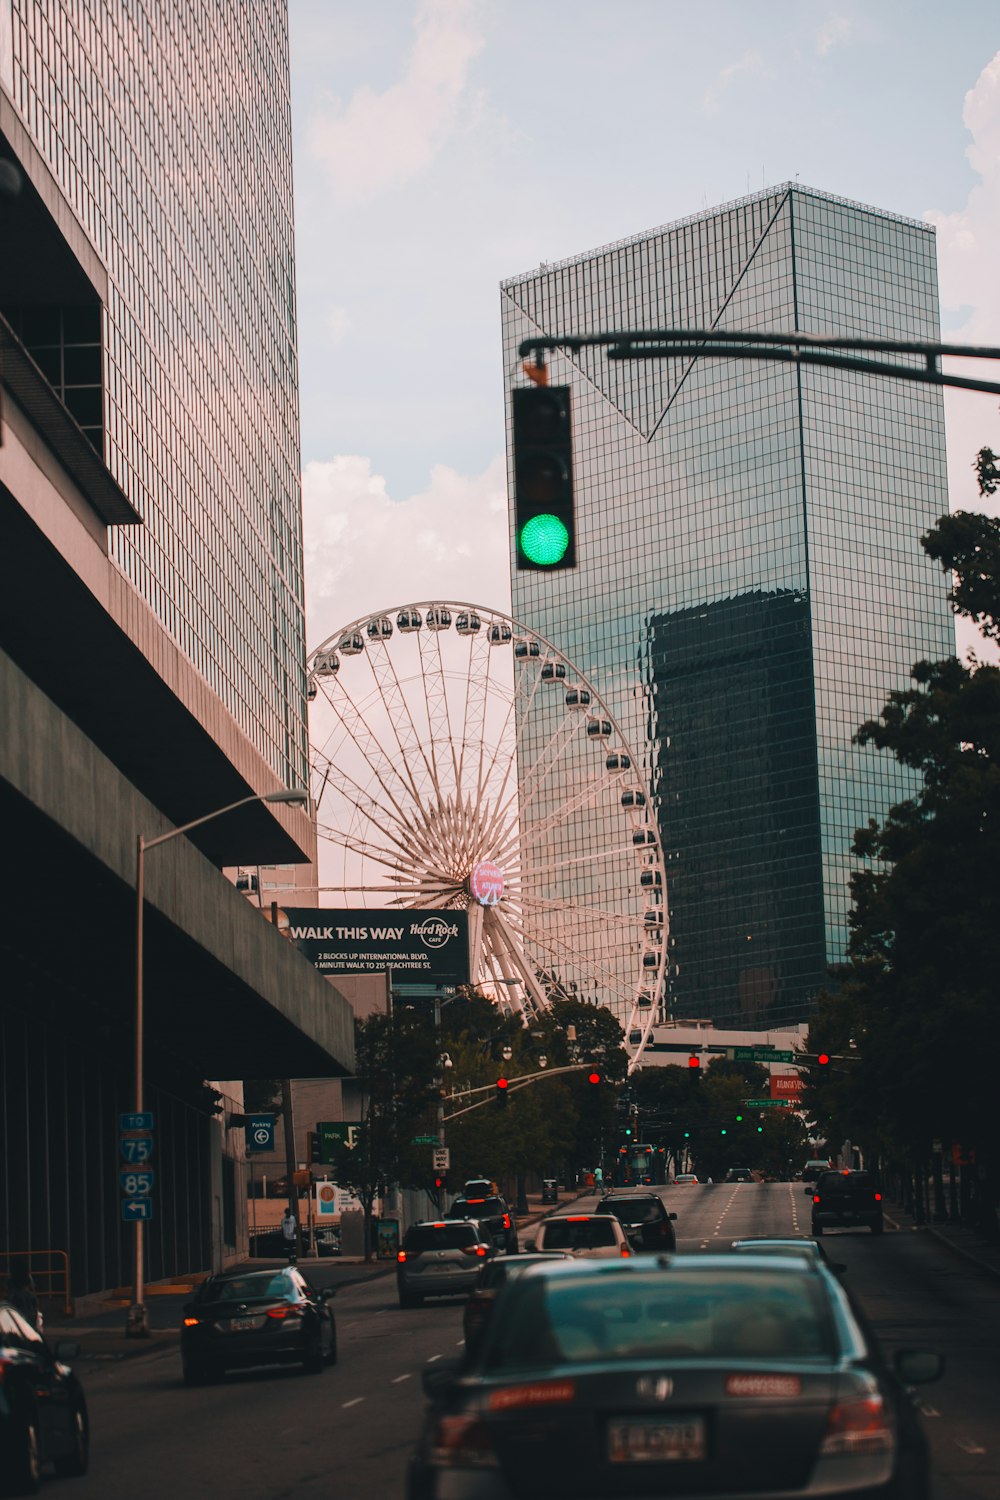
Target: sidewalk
(959, 1238)
(100, 1332)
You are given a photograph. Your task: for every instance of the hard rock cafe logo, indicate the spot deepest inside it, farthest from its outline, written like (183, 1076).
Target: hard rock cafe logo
(486, 883)
(434, 932)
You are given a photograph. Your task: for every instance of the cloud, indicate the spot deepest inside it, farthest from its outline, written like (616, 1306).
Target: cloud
(378, 140)
(366, 552)
(750, 62)
(338, 323)
(970, 294)
(836, 30)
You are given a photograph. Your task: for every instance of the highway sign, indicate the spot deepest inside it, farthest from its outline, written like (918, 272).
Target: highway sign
(143, 1121)
(260, 1132)
(768, 1103)
(134, 1209)
(423, 1140)
(136, 1148)
(760, 1054)
(442, 1159)
(136, 1184)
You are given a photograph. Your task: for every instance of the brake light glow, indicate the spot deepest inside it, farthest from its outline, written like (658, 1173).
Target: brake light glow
(475, 1200)
(401, 1256)
(462, 1443)
(474, 1250)
(816, 1197)
(506, 1221)
(624, 1251)
(577, 1218)
(862, 1426)
(539, 1393)
(191, 1322)
(290, 1310)
(878, 1197)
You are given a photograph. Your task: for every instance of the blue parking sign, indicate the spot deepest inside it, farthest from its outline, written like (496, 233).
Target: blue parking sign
(260, 1133)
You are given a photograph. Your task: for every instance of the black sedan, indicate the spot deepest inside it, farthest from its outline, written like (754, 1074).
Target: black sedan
(250, 1318)
(43, 1411)
(686, 1375)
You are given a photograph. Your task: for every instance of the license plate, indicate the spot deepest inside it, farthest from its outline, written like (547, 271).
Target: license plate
(657, 1440)
(238, 1324)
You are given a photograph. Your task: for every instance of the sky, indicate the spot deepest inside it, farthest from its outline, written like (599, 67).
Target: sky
(443, 145)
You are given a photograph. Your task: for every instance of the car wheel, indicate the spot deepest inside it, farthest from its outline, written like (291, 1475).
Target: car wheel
(24, 1468)
(75, 1462)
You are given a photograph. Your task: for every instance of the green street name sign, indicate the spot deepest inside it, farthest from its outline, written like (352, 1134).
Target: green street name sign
(761, 1054)
(767, 1103)
(423, 1140)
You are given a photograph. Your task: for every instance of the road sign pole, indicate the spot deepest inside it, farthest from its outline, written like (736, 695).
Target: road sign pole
(137, 1317)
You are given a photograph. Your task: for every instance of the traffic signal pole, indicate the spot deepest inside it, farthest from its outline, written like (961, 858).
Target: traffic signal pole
(522, 1081)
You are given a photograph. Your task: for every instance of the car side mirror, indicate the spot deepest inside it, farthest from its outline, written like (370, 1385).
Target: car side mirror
(671, 1216)
(918, 1366)
(808, 1191)
(326, 1293)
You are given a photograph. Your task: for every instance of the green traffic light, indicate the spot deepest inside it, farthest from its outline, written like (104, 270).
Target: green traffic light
(544, 540)
(739, 1117)
(723, 1130)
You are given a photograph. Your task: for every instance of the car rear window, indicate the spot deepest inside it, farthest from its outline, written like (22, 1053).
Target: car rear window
(250, 1289)
(559, 1321)
(439, 1237)
(634, 1210)
(577, 1234)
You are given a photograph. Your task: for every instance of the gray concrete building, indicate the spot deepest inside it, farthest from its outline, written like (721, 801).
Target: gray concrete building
(152, 665)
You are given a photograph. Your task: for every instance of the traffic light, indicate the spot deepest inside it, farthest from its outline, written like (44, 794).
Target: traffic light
(502, 1086)
(593, 1079)
(628, 1130)
(440, 1182)
(545, 531)
(694, 1068)
(823, 1058)
(312, 1147)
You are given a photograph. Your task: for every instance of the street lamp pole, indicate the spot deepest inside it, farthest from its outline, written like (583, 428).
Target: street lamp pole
(137, 1317)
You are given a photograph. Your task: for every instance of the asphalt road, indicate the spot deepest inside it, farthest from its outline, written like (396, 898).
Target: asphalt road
(349, 1432)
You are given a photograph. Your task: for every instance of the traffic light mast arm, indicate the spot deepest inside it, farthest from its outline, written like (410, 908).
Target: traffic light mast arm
(783, 346)
(522, 1081)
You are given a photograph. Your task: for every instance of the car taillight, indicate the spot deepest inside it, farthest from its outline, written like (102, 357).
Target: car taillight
(816, 1197)
(624, 1251)
(191, 1322)
(462, 1443)
(878, 1197)
(293, 1310)
(401, 1256)
(506, 1221)
(862, 1426)
(474, 1250)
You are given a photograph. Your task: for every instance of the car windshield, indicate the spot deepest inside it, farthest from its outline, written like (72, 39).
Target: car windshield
(564, 1320)
(634, 1210)
(254, 1288)
(439, 1237)
(577, 1234)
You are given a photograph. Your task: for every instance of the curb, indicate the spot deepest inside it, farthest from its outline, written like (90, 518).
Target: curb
(944, 1239)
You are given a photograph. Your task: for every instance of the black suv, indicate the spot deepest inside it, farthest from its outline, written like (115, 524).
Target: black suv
(495, 1217)
(643, 1218)
(843, 1199)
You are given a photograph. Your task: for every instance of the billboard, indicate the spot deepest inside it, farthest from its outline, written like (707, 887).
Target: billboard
(420, 947)
(787, 1085)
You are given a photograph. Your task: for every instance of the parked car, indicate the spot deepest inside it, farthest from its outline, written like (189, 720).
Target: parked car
(591, 1236)
(494, 1214)
(844, 1200)
(644, 1218)
(244, 1318)
(493, 1275)
(43, 1411)
(714, 1375)
(440, 1258)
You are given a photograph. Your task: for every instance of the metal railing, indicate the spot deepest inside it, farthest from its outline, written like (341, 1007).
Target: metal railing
(48, 1274)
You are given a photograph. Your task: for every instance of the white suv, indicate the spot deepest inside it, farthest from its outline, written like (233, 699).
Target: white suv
(587, 1236)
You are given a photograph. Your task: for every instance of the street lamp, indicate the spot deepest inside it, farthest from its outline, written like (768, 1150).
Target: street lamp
(137, 1318)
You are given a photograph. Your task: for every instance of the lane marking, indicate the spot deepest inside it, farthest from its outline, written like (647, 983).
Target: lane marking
(433, 1358)
(929, 1411)
(968, 1446)
(459, 1343)
(356, 1402)
(399, 1378)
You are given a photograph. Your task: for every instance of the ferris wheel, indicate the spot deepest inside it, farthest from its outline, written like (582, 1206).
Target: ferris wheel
(460, 760)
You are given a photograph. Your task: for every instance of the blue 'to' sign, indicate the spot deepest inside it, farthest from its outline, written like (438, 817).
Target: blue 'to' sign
(141, 1121)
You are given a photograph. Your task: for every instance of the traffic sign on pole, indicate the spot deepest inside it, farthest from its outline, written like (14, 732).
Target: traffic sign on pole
(260, 1133)
(768, 1103)
(760, 1054)
(135, 1210)
(141, 1121)
(136, 1184)
(442, 1159)
(136, 1149)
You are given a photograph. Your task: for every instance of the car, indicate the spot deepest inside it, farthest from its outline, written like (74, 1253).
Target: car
(685, 1179)
(480, 1187)
(739, 1174)
(590, 1236)
(493, 1274)
(708, 1375)
(644, 1218)
(812, 1169)
(239, 1319)
(772, 1244)
(493, 1212)
(440, 1258)
(845, 1199)
(43, 1410)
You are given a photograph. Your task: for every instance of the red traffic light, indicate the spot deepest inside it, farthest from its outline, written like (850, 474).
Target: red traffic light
(593, 1077)
(501, 1083)
(694, 1062)
(823, 1059)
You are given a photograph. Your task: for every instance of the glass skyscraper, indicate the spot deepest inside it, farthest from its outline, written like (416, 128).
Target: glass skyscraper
(168, 131)
(750, 583)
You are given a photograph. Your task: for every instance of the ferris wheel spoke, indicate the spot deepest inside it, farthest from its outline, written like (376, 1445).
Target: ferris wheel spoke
(573, 909)
(514, 962)
(567, 954)
(361, 800)
(412, 754)
(436, 699)
(399, 771)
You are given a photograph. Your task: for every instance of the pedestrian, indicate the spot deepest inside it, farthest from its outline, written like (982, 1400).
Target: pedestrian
(22, 1296)
(289, 1233)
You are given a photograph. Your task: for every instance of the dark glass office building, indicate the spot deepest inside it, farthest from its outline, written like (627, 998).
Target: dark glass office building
(750, 584)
